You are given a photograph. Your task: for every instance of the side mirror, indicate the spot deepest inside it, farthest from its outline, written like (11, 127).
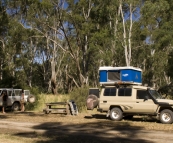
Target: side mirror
(146, 98)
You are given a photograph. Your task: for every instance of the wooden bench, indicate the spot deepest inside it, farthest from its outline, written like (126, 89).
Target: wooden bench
(57, 107)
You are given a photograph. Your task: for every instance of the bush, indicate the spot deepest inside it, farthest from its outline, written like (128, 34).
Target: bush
(79, 95)
(35, 92)
(41, 99)
(33, 106)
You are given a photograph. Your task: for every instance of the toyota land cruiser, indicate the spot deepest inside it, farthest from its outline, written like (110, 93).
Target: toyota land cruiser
(128, 100)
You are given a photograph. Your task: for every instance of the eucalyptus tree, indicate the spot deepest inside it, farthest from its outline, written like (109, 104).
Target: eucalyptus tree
(155, 20)
(78, 34)
(44, 18)
(122, 16)
(128, 10)
(16, 38)
(102, 30)
(41, 19)
(3, 31)
(88, 37)
(9, 45)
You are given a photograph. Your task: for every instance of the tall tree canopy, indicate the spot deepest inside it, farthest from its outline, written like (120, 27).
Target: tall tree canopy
(56, 45)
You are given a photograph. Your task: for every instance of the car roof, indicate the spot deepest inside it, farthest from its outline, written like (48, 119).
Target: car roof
(6, 88)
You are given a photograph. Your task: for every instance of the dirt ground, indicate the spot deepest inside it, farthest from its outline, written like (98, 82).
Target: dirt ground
(37, 127)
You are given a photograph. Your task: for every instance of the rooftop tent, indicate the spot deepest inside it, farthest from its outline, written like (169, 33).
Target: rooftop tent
(120, 75)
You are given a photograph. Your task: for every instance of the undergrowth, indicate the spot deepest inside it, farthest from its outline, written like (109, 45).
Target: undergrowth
(78, 95)
(41, 99)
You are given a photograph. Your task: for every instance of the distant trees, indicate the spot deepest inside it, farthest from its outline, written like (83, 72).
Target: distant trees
(56, 45)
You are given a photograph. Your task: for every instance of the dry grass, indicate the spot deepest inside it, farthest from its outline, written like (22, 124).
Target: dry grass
(91, 119)
(11, 138)
(47, 98)
(8, 138)
(87, 118)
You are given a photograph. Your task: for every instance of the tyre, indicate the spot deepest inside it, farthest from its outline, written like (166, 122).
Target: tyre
(31, 99)
(116, 114)
(77, 112)
(92, 102)
(16, 106)
(73, 107)
(166, 116)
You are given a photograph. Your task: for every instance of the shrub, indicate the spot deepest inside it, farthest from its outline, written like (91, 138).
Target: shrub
(41, 99)
(33, 91)
(79, 95)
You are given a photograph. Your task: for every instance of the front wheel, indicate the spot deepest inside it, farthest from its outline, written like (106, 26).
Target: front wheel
(16, 106)
(116, 114)
(166, 116)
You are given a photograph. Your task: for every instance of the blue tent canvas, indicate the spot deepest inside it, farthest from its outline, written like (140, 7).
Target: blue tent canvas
(120, 75)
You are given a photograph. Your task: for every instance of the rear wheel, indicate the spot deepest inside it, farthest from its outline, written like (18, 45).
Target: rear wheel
(166, 116)
(16, 106)
(116, 114)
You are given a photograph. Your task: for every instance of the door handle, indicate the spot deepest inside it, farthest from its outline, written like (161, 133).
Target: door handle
(104, 101)
(137, 102)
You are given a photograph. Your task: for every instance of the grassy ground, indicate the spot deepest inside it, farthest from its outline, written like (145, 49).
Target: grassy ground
(11, 138)
(86, 123)
(34, 114)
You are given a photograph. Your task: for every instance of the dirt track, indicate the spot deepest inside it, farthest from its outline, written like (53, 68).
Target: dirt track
(84, 128)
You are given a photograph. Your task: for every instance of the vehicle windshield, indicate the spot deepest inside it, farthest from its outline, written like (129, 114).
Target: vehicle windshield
(155, 94)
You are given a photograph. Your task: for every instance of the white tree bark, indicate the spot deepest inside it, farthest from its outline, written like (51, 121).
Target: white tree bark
(127, 33)
(1, 60)
(124, 43)
(84, 78)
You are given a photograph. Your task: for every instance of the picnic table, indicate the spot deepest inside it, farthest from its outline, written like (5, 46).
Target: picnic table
(61, 107)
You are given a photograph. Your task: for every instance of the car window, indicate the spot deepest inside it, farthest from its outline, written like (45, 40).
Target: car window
(27, 92)
(142, 94)
(125, 92)
(13, 94)
(155, 94)
(9, 92)
(17, 92)
(110, 92)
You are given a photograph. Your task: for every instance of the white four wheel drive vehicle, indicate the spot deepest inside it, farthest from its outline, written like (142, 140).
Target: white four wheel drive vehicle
(128, 100)
(14, 96)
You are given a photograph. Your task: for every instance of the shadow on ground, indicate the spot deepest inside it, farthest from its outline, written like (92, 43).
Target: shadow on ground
(135, 118)
(95, 132)
(102, 131)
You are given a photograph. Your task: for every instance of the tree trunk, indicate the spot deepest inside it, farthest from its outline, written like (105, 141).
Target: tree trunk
(127, 39)
(1, 61)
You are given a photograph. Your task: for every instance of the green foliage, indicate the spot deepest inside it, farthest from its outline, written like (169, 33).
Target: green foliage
(41, 99)
(92, 36)
(36, 92)
(79, 95)
(34, 106)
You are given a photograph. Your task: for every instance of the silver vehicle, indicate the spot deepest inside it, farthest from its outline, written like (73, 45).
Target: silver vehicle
(14, 96)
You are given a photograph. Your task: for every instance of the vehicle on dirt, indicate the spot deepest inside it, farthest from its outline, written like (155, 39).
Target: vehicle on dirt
(14, 96)
(125, 101)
